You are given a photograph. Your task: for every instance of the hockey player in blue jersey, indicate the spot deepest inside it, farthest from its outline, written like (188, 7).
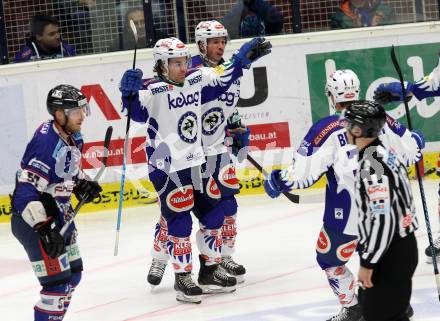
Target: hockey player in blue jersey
(325, 151)
(428, 86)
(49, 173)
(218, 116)
(170, 105)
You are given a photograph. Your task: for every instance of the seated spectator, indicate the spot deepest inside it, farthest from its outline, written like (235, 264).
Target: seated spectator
(127, 41)
(362, 13)
(250, 18)
(45, 41)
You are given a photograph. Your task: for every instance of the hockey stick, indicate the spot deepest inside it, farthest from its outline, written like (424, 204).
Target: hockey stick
(127, 129)
(108, 135)
(419, 176)
(294, 198)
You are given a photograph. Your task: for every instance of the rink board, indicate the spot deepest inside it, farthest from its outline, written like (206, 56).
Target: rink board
(141, 192)
(281, 97)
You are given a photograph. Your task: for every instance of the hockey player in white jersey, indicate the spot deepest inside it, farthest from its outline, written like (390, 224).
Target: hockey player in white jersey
(426, 87)
(325, 151)
(170, 105)
(218, 116)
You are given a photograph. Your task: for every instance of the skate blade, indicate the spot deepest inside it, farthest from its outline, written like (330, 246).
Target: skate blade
(209, 289)
(181, 297)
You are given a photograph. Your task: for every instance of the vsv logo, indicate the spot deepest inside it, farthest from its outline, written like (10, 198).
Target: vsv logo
(179, 102)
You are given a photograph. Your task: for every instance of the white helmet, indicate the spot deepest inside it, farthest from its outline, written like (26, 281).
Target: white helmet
(209, 29)
(167, 48)
(343, 85)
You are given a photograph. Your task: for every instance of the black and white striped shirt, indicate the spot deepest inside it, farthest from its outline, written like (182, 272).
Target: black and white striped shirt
(385, 202)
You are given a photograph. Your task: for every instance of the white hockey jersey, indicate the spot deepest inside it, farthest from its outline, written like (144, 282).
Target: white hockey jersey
(173, 114)
(325, 151)
(214, 116)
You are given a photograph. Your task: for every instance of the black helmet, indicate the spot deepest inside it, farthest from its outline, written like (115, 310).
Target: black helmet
(66, 97)
(368, 115)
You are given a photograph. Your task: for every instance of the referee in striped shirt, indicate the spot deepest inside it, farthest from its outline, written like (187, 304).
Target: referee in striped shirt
(387, 221)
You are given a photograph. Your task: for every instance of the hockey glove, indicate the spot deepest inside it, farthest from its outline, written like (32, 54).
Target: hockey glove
(131, 82)
(275, 184)
(50, 237)
(240, 141)
(252, 51)
(391, 92)
(87, 190)
(419, 138)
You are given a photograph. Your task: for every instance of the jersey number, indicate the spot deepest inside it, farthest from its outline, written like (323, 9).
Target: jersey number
(342, 139)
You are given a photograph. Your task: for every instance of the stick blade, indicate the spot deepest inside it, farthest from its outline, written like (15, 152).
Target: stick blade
(134, 30)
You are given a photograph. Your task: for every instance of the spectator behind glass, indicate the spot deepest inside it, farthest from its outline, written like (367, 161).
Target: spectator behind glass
(249, 18)
(362, 13)
(45, 41)
(76, 17)
(127, 41)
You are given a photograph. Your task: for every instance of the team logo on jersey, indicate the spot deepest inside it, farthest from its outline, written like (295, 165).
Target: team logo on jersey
(323, 244)
(212, 189)
(344, 251)
(181, 199)
(211, 120)
(339, 213)
(187, 127)
(227, 177)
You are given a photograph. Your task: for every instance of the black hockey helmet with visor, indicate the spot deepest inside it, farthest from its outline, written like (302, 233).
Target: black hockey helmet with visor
(369, 116)
(67, 98)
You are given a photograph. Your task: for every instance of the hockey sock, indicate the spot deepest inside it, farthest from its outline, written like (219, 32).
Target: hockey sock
(159, 250)
(209, 242)
(180, 252)
(229, 233)
(51, 305)
(342, 282)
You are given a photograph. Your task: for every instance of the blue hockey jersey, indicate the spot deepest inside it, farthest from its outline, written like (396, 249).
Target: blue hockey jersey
(49, 165)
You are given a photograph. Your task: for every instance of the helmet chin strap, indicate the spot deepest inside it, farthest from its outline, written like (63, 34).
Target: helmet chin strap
(63, 126)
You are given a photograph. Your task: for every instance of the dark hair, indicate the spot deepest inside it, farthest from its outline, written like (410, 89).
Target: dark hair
(39, 22)
(130, 11)
(158, 68)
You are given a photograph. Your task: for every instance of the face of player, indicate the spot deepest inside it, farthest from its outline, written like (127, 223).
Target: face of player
(177, 68)
(50, 38)
(139, 21)
(216, 48)
(71, 120)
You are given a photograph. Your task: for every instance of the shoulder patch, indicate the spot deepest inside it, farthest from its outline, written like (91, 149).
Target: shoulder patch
(324, 128)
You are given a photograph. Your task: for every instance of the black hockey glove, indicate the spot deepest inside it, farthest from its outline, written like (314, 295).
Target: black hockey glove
(89, 190)
(50, 237)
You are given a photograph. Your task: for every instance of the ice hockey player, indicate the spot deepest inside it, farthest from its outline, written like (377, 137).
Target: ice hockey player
(428, 86)
(50, 172)
(218, 116)
(325, 150)
(170, 105)
(387, 220)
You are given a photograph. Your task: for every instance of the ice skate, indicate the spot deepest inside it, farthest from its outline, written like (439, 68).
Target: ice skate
(233, 268)
(155, 274)
(213, 279)
(353, 313)
(187, 289)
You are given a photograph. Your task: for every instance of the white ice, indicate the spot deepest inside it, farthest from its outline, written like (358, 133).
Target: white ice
(276, 243)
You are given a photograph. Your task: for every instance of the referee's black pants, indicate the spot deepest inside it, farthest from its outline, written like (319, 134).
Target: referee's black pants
(388, 299)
